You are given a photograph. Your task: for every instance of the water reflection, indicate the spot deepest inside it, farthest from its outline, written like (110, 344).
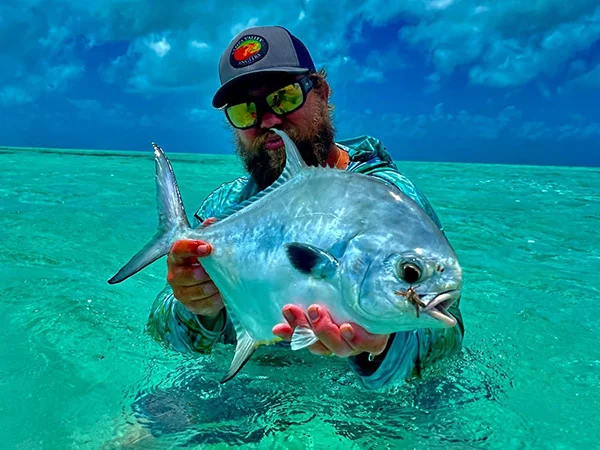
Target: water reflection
(452, 406)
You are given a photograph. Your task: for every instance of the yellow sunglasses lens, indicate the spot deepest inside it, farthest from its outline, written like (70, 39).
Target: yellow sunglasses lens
(242, 115)
(286, 99)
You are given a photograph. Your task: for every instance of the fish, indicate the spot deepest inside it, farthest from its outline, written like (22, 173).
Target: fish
(351, 242)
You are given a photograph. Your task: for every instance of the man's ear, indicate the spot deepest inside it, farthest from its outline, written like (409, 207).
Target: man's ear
(324, 91)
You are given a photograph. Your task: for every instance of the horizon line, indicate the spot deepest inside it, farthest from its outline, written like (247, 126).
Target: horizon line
(149, 154)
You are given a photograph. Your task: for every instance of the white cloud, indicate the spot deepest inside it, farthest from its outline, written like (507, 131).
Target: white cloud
(185, 66)
(497, 43)
(512, 62)
(440, 4)
(239, 27)
(589, 79)
(56, 78)
(433, 82)
(464, 126)
(505, 43)
(14, 95)
(161, 48)
(33, 85)
(197, 44)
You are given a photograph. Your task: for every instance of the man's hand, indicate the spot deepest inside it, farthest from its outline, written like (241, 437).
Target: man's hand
(345, 340)
(191, 284)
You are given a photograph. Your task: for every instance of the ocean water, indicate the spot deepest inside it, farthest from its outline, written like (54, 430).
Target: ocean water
(77, 369)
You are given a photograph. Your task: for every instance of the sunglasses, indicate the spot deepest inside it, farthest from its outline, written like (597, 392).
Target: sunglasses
(281, 102)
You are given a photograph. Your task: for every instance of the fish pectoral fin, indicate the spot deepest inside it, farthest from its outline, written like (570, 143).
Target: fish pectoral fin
(246, 346)
(311, 260)
(302, 338)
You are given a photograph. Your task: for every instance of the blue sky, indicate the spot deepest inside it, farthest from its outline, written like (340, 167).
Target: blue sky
(504, 81)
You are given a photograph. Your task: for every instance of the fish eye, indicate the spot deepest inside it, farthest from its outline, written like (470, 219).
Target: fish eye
(409, 272)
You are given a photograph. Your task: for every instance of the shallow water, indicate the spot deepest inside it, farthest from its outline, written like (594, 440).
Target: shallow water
(77, 369)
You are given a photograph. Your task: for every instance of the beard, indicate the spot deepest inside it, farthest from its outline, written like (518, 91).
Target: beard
(314, 143)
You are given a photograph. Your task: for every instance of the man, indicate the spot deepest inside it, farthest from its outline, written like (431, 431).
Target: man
(268, 80)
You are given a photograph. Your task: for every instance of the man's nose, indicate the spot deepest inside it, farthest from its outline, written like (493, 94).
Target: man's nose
(269, 120)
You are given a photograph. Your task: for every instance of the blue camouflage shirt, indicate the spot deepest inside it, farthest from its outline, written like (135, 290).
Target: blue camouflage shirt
(406, 353)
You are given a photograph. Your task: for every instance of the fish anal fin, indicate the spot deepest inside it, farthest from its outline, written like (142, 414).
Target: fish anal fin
(246, 346)
(302, 338)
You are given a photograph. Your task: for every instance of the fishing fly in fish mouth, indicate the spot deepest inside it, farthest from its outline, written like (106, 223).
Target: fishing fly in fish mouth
(319, 215)
(413, 298)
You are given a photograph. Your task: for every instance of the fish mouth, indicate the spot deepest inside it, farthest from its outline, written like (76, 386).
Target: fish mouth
(437, 307)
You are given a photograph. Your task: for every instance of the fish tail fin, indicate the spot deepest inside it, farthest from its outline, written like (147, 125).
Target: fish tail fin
(172, 220)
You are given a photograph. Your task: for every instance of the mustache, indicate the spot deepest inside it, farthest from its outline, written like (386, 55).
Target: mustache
(266, 135)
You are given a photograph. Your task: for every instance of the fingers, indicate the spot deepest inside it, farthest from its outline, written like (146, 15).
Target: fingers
(318, 348)
(209, 221)
(343, 341)
(188, 294)
(208, 306)
(186, 275)
(362, 341)
(295, 316)
(328, 333)
(187, 251)
(190, 282)
(284, 331)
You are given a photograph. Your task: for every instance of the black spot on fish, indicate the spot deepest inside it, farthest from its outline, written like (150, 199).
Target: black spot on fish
(302, 258)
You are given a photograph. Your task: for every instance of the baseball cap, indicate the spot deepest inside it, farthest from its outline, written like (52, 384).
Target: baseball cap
(260, 49)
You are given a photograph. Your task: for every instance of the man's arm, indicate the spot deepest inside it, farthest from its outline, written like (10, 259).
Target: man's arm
(171, 323)
(408, 353)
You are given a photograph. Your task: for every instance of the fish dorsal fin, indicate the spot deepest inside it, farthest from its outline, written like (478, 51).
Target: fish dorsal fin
(231, 211)
(311, 260)
(293, 165)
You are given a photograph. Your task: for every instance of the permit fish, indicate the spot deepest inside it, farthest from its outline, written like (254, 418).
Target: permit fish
(350, 242)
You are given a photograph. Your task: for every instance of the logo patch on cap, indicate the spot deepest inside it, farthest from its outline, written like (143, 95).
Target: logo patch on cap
(248, 50)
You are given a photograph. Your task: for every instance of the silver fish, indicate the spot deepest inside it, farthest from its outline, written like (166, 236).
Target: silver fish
(354, 244)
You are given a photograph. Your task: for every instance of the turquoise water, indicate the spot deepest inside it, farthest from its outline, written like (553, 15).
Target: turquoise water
(78, 371)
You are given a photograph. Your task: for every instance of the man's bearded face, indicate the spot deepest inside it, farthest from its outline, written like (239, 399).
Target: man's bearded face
(310, 127)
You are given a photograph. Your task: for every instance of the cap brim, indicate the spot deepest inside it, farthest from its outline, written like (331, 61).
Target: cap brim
(218, 100)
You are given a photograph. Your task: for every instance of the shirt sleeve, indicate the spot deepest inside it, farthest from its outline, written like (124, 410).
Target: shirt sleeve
(407, 353)
(175, 326)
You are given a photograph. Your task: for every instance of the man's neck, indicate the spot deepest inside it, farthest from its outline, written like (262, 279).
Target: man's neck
(337, 158)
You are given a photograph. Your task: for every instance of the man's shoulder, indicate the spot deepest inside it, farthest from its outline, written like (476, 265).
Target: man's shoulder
(369, 156)
(365, 149)
(225, 196)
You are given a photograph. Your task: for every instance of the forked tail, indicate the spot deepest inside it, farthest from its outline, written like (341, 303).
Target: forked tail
(172, 221)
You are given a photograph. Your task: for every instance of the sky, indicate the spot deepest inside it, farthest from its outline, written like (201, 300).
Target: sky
(495, 81)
